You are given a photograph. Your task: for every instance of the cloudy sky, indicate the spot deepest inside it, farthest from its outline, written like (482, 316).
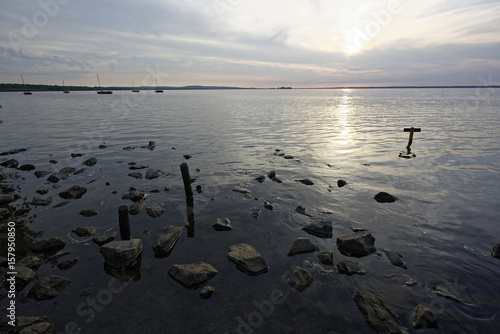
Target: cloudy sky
(251, 43)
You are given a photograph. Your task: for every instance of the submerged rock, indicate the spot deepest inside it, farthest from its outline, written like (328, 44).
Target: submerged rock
(247, 259)
(321, 228)
(84, 231)
(48, 287)
(155, 211)
(222, 225)
(67, 264)
(395, 258)
(48, 244)
(121, 254)
(244, 191)
(23, 276)
(74, 192)
(300, 279)
(383, 197)
(167, 240)
(307, 182)
(495, 251)
(207, 292)
(38, 201)
(326, 257)
(302, 245)
(11, 163)
(136, 207)
(255, 212)
(89, 212)
(380, 318)
(358, 244)
(6, 199)
(153, 173)
(41, 173)
(350, 268)
(90, 162)
(424, 318)
(104, 239)
(192, 275)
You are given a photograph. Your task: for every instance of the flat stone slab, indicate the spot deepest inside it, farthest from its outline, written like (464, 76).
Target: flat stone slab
(350, 268)
(165, 242)
(358, 244)
(320, 228)
(300, 279)
(121, 254)
(191, 275)
(104, 239)
(48, 244)
(301, 246)
(74, 192)
(48, 287)
(222, 224)
(380, 318)
(247, 259)
(326, 257)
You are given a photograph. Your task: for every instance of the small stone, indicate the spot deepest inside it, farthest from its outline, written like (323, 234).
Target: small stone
(38, 201)
(326, 257)
(65, 265)
(48, 287)
(136, 207)
(41, 173)
(27, 167)
(300, 209)
(135, 175)
(222, 225)
(74, 192)
(301, 246)
(136, 167)
(165, 242)
(33, 325)
(6, 199)
(192, 275)
(14, 151)
(341, 183)
(268, 205)
(104, 239)
(300, 279)
(495, 251)
(288, 157)
(23, 276)
(271, 174)
(383, 197)
(260, 179)
(424, 318)
(207, 292)
(42, 191)
(247, 259)
(155, 211)
(358, 244)
(153, 174)
(90, 162)
(255, 212)
(89, 212)
(242, 191)
(187, 156)
(350, 268)
(48, 244)
(395, 258)
(307, 182)
(84, 231)
(11, 163)
(321, 228)
(134, 195)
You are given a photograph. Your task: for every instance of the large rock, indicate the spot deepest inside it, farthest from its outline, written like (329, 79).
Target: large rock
(302, 245)
(74, 192)
(383, 197)
(380, 318)
(300, 279)
(247, 259)
(192, 275)
(358, 244)
(48, 287)
(320, 228)
(48, 244)
(424, 318)
(167, 240)
(121, 254)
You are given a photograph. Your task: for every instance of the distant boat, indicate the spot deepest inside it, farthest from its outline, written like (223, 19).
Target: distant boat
(102, 91)
(26, 92)
(65, 90)
(158, 90)
(133, 89)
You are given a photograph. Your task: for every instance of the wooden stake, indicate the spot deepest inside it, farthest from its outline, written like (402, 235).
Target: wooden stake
(123, 219)
(410, 140)
(186, 178)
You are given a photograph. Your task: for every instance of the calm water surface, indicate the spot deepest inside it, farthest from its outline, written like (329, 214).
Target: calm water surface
(444, 223)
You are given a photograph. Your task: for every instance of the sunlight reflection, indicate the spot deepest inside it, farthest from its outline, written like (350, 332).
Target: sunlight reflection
(343, 112)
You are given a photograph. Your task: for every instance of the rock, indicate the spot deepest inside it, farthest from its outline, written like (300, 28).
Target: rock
(199, 189)
(6, 199)
(321, 228)
(27, 167)
(207, 292)
(495, 251)
(260, 179)
(32, 262)
(89, 212)
(32, 325)
(74, 192)
(52, 161)
(289, 157)
(383, 197)
(443, 292)
(300, 209)
(165, 242)
(402, 279)
(77, 155)
(151, 145)
(4, 262)
(341, 183)
(307, 182)
(23, 276)
(42, 191)
(48, 287)
(102, 146)
(48, 244)
(155, 211)
(135, 175)
(136, 207)
(300, 279)
(302, 245)
(41, 173)
(38, 201)
(134, 195)
(64, 173)
(67, 264)
(244, 191)
(121, 254)
(247, 259)
(4, 212)
(358, 244)
(220, 225)
(84, 231)
(271, 174)
(192, 275)
(90, 162)
(380, 318)
(15, 151)
(153, 174)
(424, 318)
(187, 156)
(268, 205)
(350, 268)
(136, 167)
(11, 163)
(104, 239)
(326, 257)
(255, 212)
(40, 328)
(395, 258)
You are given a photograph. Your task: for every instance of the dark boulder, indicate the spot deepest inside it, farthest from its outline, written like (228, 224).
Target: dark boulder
(383, 197)
(358, 244)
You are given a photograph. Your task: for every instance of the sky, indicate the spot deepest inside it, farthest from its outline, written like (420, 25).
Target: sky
(251, 43)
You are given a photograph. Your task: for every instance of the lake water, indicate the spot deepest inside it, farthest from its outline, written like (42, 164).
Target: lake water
(444, 223)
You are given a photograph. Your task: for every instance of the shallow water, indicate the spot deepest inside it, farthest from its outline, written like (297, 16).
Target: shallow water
(444, 223)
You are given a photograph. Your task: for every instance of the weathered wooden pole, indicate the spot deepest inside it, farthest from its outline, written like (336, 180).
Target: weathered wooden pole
(410, 140)
(186, 178)
(123, 219)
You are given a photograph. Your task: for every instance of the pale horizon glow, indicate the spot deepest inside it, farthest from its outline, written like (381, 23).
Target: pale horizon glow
(250, 43)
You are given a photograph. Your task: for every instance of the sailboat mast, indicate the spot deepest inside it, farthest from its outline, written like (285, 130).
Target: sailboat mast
(23, 82)
(99, 81)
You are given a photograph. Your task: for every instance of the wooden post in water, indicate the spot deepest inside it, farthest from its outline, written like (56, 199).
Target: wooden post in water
(186, 178)
(410, 140)
(123, 219)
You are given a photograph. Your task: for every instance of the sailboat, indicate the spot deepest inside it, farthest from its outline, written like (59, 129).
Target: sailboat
(26, 92)
(158, 90)
(64, 89)
(102, 91)
(133, 89)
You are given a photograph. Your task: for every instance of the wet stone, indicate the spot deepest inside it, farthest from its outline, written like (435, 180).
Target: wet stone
(42, 191)
(74, 192)
(3, 212)
(15, 151)
(307, 182)
(350, 268)
(153, 174)
(32, 262)
(243, 191)
(27, 167)
(321, 228)
(41, 173)
(260, 179)
(155, 211)
(255, 212)
(89, 212)
(67, 264)
(104, 239)
(38, 201)
(424, 318)
(134, 195)
(136, 207)
(302, 210)
(300, 279)
(288, 157)
(341, 183)
(495, 251)
(247, 259)
(23, 276)
(84, 231)
(358, 244)
(207, 292)
(326, 257)
(6, 199)
(395, 258)
(222, 224)
(136, 167)
(135, 175)
(192, 275)
(268, 205)
(33, 325)
(165, 242)
(90, 162)
(301, 246)
(121, 254)
(11, 163)
(383, 197)
(48, 244)
(48, 287)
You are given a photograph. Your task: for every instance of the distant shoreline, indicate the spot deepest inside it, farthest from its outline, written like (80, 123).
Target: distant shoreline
(8, 87)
